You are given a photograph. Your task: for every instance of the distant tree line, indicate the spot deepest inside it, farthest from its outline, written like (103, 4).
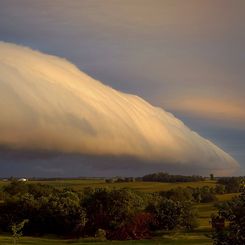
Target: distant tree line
(165, 177)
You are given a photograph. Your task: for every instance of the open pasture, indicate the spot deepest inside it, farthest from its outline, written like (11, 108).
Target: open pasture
(174, 239)
(80, 184)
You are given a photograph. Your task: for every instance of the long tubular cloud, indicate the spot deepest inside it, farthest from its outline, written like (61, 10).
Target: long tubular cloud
(46, 103)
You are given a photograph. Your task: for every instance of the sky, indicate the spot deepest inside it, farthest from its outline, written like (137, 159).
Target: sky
(184, 56)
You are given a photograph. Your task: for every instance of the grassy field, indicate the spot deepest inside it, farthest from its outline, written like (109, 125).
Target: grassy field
(194, 238)
(79, 185)
(174, 239)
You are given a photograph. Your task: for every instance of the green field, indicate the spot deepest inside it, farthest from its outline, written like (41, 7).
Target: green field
(80, 184)
(176, 239)
(196, 237)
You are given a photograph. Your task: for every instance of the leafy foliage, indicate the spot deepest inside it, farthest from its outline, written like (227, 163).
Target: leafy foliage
(110, 210)
(17, 230)
(233, 212)
(204, 194)
(104, 213)
(232, 184)
(57, 212)
(170, 215)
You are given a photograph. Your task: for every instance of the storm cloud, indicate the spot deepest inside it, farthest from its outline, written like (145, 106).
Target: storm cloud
(48, 104)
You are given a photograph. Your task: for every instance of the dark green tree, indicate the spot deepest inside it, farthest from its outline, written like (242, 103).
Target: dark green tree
(232, 184)
(110, 209)
(233, 212)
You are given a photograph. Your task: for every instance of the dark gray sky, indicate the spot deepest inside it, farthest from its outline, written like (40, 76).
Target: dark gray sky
(187, 57)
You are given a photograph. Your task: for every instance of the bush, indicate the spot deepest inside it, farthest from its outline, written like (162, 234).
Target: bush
(219, 189)
(178, 194)
(232, 184)
(204, 194)
(15, 188)
(100, 234)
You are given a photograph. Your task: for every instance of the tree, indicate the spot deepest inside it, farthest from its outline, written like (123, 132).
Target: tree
(233, 212)
(165, 177)
(171, 214)
(232, 184)
(188, 217)
(17, 230)
(110, 209)
(207, 194)
(138, 228)
(56, 212)
(167, 214)
(178, 194)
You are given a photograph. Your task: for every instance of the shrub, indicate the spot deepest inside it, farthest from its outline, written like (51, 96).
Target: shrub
(100, 234)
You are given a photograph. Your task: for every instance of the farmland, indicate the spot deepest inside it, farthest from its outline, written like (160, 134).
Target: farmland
(198, 236)
(173, 239)
(80, 184)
